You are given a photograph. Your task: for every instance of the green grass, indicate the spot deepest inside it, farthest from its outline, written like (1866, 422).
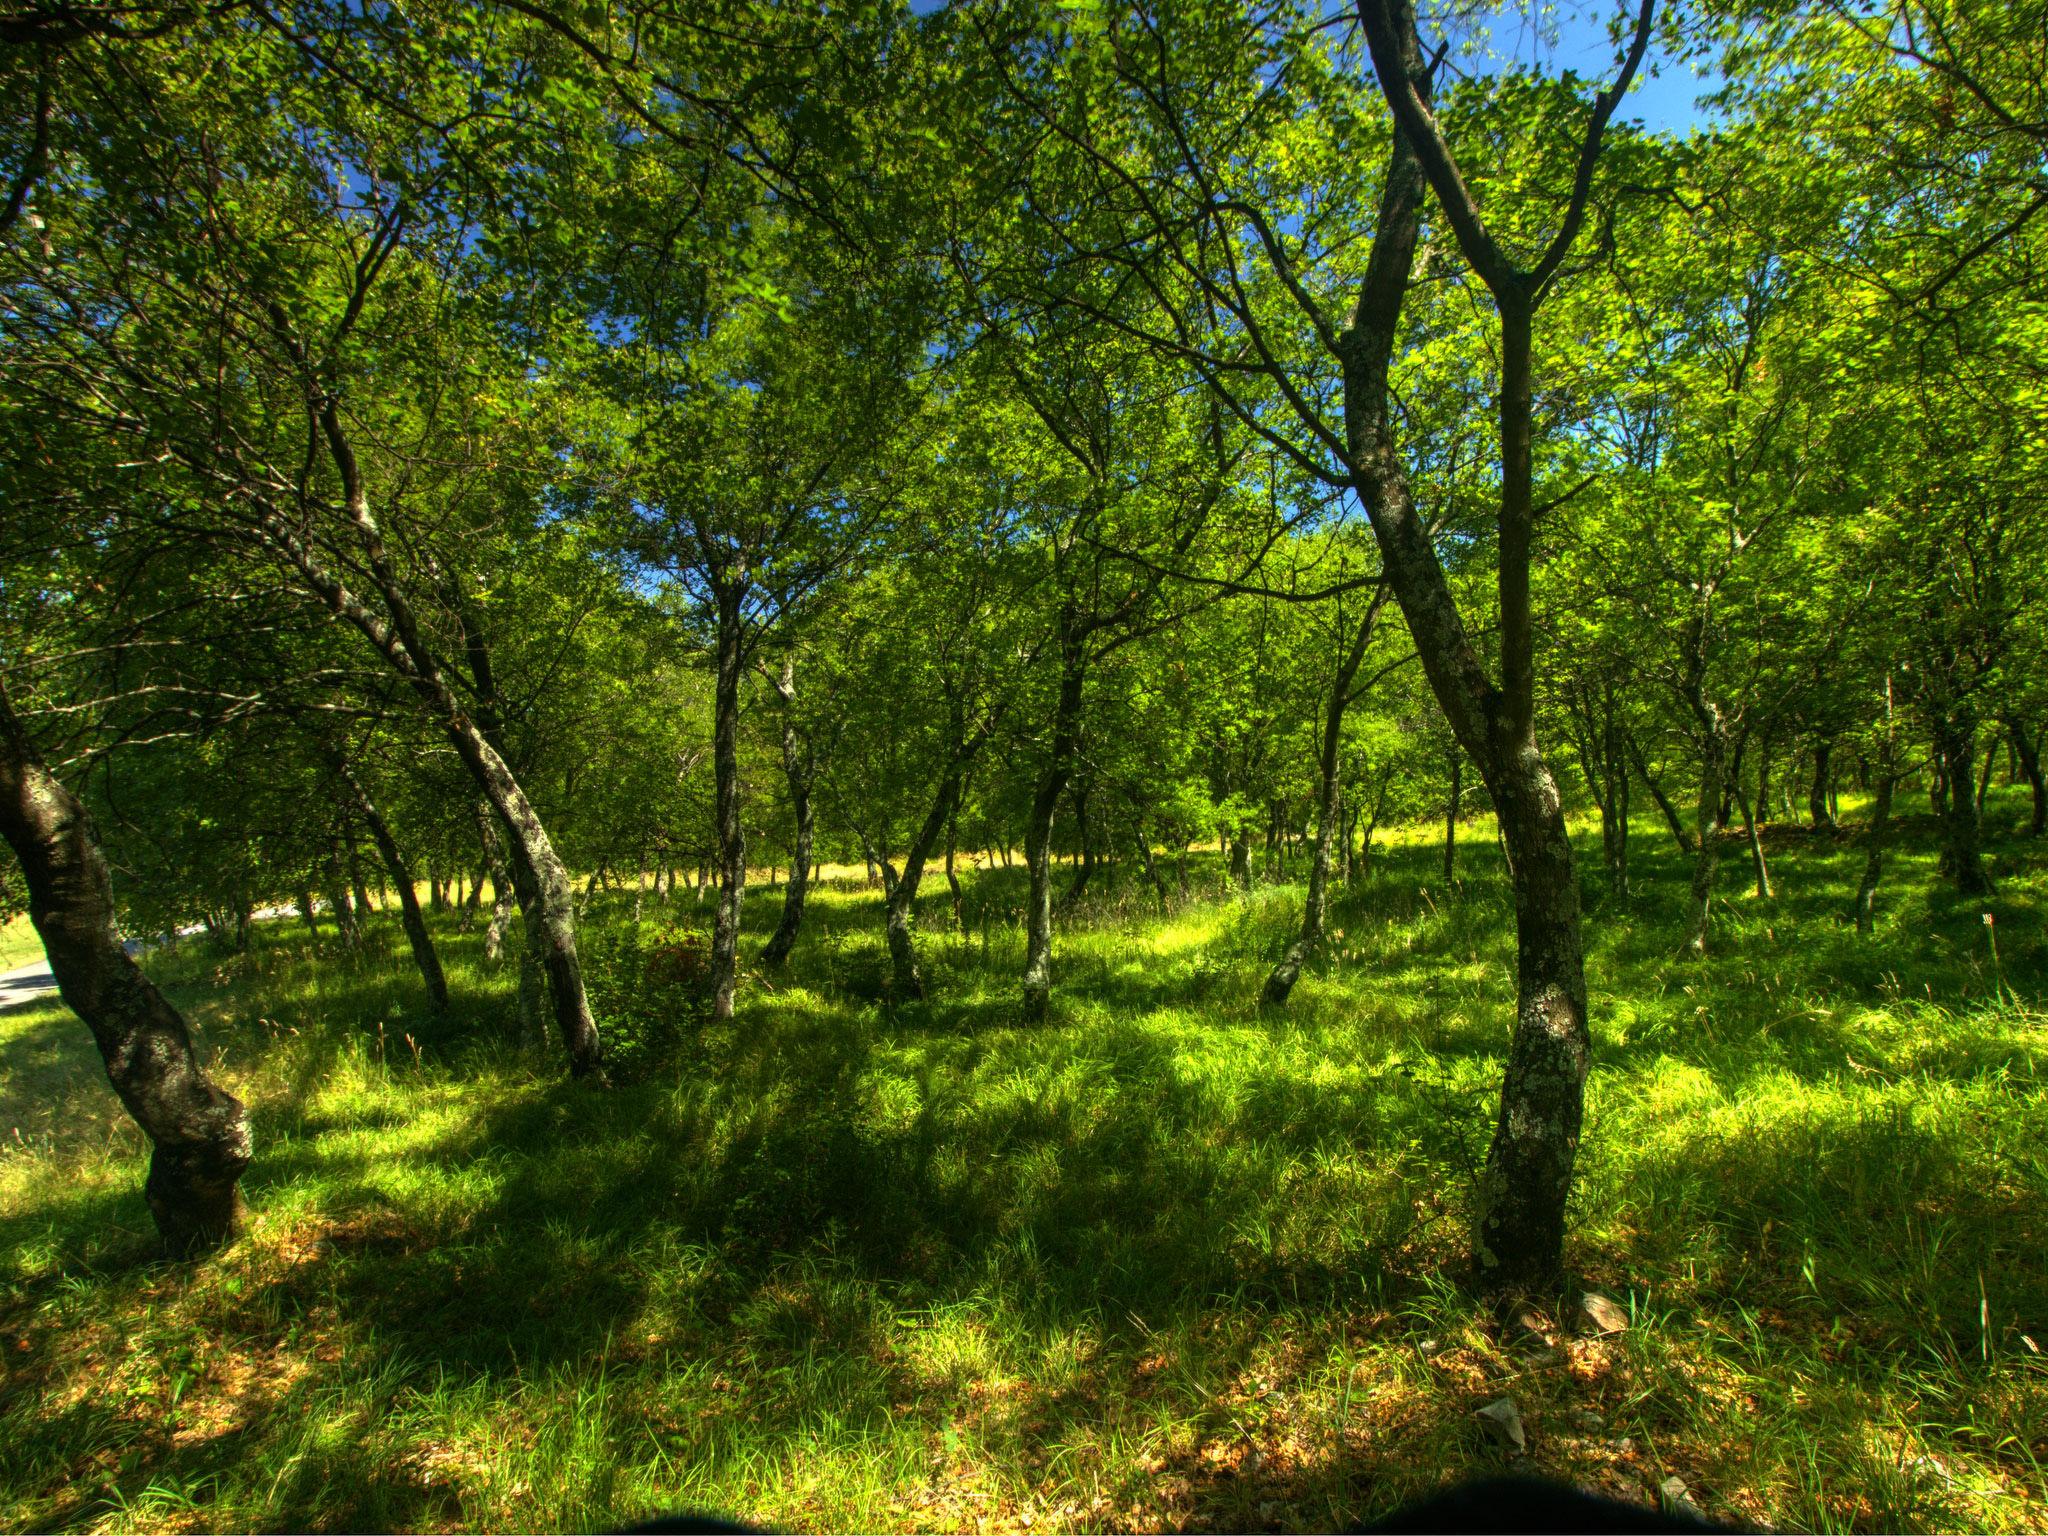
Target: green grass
(19, 944)
(1165, 1261)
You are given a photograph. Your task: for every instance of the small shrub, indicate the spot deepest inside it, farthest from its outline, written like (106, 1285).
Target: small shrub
(649, 988)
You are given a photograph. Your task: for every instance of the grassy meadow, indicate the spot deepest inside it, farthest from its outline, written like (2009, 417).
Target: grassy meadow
(1167, 1261)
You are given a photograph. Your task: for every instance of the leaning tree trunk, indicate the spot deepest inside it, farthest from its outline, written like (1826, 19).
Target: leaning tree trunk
(1756, 842)
(2028, 750)
(1874, 841)
(1956, 740)
(1045, 802)
(199, 1134)
(1329, 810)
(1451, 818)
(1663, 801)
(799, 768)
(416, 935)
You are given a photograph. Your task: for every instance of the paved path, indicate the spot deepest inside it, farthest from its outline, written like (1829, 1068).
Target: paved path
(30, 982)
(26, 984)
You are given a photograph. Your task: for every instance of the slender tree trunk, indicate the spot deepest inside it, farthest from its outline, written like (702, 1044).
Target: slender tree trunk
(1707, 847)
(422, 942)
(1329, 808)
(199, 1133)
(1241, 861)
(727, 827)
(1875, 838)
(952, 875)
(1614, 808)
(1817, 808)
(2027, 750)
(1084, 860)
(799, 767)
(1756, 844)
(364, 906)
(346, 928)
(501, 882)
(1451, 818)
(1045, 802)
(305, 904)
(1984, 779)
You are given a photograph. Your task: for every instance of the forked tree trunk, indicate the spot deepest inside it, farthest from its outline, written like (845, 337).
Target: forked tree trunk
(199, 1133)
(416, 934)
(1518, 1236)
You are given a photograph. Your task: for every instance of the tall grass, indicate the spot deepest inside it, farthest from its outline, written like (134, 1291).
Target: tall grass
(1166, 1260)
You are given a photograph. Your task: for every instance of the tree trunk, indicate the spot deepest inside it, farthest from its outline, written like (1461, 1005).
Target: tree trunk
(1756, 843)
(1817, 808)
(422, 942)
(1451, 818)
(1614, 808)
(1664, 805)
(952, 876)
(199, 1134)
(364, 906)
(1240, 861)
(727, 827)
(1956, 742)
(799, 767)
(1329, 808)
(343, 911)
(305, 904)
(2028, 752)
(1984, 779)
(1707, 847)
(1045, 802)
(1874, 841)
(501, 883)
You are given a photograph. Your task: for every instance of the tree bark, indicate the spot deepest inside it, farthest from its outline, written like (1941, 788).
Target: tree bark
(1955, 736)
(1329, 809)
(539, 879)
(1817, 808)
(1045, 802)
(339, 906)
(199, 1133)
(501, 882)
(306, 915)
(416, 934)
(1451, 818)
(1707, 844)
(799, 768)
(727, 827)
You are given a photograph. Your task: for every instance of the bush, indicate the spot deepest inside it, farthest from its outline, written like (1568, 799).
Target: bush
(649, 988)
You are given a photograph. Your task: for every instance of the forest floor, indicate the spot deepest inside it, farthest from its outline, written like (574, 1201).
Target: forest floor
(1167, 1261)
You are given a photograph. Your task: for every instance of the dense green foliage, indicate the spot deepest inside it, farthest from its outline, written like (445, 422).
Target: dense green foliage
(1399, 672)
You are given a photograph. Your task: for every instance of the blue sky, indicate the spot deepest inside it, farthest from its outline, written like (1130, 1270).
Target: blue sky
(1574, 36)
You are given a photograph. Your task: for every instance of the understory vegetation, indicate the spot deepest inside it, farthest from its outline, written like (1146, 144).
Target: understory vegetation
(1169, 1259)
